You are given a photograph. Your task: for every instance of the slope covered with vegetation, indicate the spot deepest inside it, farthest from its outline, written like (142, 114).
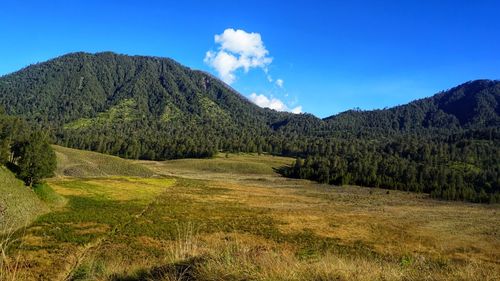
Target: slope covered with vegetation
(136, 107)
(29, 159)
(87, 164)
(19, 205)
(25, 150)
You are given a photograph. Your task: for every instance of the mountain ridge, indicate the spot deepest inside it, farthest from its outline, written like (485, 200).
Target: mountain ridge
(209, 78)
(89, 93)
(458, 108)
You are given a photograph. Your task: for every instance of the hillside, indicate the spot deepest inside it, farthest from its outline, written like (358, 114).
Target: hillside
(135, 106)
(87, 164)
(86, 84)
(472, 105)
(19, 205)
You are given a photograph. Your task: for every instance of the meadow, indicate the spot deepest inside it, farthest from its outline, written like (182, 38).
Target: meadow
(234, 218)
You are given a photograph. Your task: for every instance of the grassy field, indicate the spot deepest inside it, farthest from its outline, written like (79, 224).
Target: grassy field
(234, 218)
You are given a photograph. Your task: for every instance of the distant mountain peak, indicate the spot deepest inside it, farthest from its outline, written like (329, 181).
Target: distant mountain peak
(474, 103)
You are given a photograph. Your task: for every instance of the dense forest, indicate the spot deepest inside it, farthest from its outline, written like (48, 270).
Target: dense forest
(139, 107)
(25, 150)
(455, 169)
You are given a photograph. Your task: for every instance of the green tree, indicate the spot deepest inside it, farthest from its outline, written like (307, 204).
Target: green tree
(35, 159)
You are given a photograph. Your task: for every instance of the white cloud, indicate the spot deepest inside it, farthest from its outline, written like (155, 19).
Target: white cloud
(273, 103)
(296, 110)
(280, 82)
(238, 49)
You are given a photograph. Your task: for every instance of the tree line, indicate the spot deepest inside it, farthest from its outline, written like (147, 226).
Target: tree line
(463, 169)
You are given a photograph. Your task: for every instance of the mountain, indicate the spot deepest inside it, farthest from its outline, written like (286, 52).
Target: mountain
(472, 105)
(155, 108)
(136, 106)
(80, 85)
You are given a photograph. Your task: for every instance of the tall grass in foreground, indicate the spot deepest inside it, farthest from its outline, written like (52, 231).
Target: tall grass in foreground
(237, 256)
(12, 231)
(11, 267)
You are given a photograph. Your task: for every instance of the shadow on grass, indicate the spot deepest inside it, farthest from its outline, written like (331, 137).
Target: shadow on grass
(183, 270)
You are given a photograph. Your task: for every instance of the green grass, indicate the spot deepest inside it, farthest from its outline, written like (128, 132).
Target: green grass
(48, 195)
(93, 211)
(19, 205)
(224, 166)
(83, 164)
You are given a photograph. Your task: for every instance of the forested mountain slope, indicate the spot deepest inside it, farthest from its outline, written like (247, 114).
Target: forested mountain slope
(94, 101)
(473, 105)
(134, 106)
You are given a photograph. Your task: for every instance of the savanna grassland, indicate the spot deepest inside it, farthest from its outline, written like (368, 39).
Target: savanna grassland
(234, 218)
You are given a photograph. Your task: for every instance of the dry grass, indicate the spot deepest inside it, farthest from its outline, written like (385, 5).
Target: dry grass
(226, 224)
(10, 266)
(236, 256)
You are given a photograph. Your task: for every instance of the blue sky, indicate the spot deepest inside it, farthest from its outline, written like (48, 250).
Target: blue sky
(331, 55)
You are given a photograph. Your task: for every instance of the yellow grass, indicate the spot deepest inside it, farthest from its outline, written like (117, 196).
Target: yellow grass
(112, 188)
